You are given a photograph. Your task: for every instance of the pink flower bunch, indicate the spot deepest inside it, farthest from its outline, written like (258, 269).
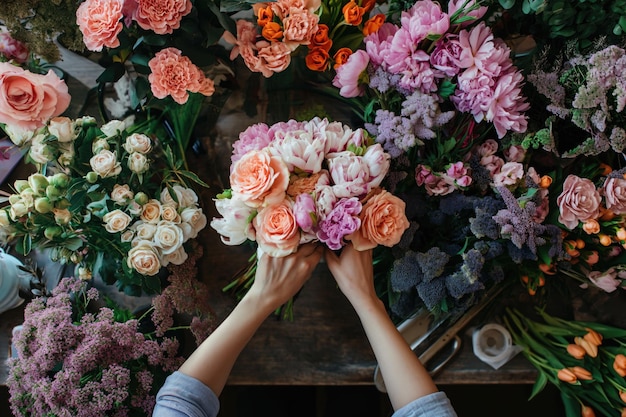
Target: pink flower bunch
(13, 49)
(298, 182)
(429, 49)
(281, 27)
(74, 362)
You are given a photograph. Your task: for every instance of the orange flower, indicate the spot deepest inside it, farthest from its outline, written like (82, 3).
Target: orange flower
(264, 15)
(576, 351)
(621, 233)
(623, 412)
(566, 375)
(317, 59)
(590, 348)
(593, 337)
(606, 215)
(622, 396)
(341, 56)
(605, 240)
(545, 181)
(591, 227)
(320, 39)
(368, 4)
(548, 269)
(587, 411)
(581, 373)
(592, 257)
(272, 31)
(353, 13)
(606, 169)
(373, 24)
(570, 248)
(619, 364)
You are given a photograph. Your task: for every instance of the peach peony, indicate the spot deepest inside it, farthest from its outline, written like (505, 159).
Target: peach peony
(259, 179)
(175, 75)
(277, 231)
(383, 222)
(100, 23)
(28, 100)
(161, 16)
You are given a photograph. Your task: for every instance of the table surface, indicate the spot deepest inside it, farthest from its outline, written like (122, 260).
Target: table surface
(323, 345)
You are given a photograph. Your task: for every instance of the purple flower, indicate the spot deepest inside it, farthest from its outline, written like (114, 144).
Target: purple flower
(340, 222)
(445, 57)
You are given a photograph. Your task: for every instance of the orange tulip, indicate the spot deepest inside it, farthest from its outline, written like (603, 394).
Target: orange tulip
(576, 351)
(368, 4)
(607, 215)
(341, 57)
(549, 269)
(592, 257)
(264, 15)
(272, 31)
(317, 59)
(353, 13)
(581, 373)
(623, 412)
(566, 375)
(587, 412)
(619, 365)
(590, 348)
(373, 24)
(606, 169)
(593, 337)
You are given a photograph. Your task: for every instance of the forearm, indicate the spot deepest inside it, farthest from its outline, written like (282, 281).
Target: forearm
(213, 360)
(405, 377)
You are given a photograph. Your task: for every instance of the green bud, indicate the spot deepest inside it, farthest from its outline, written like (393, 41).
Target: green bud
(91, 177)
(62, 203)
(53, 193)
(60, 180)
(52, 231)
(43, 205)
(38, 183)
(141, 198)
(21, 185)
(14, 198)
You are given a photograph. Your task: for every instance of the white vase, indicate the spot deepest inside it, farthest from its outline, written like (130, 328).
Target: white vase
(11, 278)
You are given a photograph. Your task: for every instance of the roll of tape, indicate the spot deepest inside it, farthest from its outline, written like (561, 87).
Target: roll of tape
(493, 345)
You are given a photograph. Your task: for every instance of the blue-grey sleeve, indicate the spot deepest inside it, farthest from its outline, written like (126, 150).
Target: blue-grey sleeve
(431, 405)
(185, 396)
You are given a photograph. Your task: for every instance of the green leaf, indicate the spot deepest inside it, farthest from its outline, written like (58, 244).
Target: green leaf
(112, 73)
(73, 244)
(226, 22)
(232, 6)
(24, 245)
(192, 176)
(539, 385)
(507, 4)
(154, 40)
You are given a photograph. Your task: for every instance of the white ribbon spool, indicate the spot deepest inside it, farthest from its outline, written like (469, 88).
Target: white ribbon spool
(493, 345)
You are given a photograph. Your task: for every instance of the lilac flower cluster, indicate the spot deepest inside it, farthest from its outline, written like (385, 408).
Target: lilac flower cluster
(71, 362)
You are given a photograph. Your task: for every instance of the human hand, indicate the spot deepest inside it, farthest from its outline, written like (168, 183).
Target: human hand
(279, 279)
(354, 272)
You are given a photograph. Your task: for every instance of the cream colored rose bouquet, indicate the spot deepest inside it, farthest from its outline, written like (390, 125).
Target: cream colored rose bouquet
(297, 182)
(112, 200)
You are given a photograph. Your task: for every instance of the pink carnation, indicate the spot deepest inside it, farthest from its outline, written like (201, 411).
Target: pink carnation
(100, 23)
(161, 16)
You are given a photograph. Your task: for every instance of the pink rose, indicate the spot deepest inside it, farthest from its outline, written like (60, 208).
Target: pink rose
(510, 174)
(492, 163)
(259, 179)
(383, 222)
(424, 175)
(348, 77)
(487, 148)
(28, 100)
(579, 201)
(162, 16)
(515, 153)
(277, 231)
(442, 186)
(13, 49)
(100, 23)
(614, 190)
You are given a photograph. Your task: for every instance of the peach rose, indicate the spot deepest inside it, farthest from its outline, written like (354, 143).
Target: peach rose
(100, 23)
(383, 222)
(259, 179)
(277, 231)
(28, 100)
(105, 164)
(614, 191)
(144, 259)
(116, 221)
(161, 16)
(579, 201)
(151, 212)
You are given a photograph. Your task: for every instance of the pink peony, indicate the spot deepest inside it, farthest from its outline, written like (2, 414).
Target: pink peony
(13, 49)
(348, 78)
(175, 75)
(445, 57)
(304, 210)
(425, 18)
(508, 104)
(160, 16)
(28, 100)
(614, 191)
(579, 201)
(378, 44)
(255, 137)
(100, 23)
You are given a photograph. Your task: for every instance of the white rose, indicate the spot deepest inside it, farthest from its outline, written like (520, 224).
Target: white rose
(98, 145)
(121, 194)
(62, 128)
(39, 151)
(134, 208)
(138, 163)
(113, 128)
(18, 135)
(116, 221)
(178, 257)
(168, 237)
(195, 218)
(138, 142)
(170, 214)
(186, 196)
(189, 197)
(144, 259)
(509, 174)
(105, 164)
(144, 231)
(151, 211)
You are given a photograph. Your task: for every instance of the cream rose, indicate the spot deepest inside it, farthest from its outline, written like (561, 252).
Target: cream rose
(138, 142)
(383, 221)
(116, 221)
(122, 194)
(98, 145)
(151, 211)
(138, 163)
(113, 128)
(105, 164)
(277, 231)
(259, 179)
(144, 231)
(143, 259)
(178, 257)
(195, 218)
(579, 201)
(169, 213)
(18, 136)
(62, 128)
(510, 174)
(168, 237)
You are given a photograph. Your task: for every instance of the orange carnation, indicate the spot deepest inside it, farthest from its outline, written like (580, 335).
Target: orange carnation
(353, 13)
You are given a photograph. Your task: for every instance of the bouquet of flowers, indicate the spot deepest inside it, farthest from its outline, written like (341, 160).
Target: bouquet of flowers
(77, 356)
(584, 360)
(111, 199)
(296, 182)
